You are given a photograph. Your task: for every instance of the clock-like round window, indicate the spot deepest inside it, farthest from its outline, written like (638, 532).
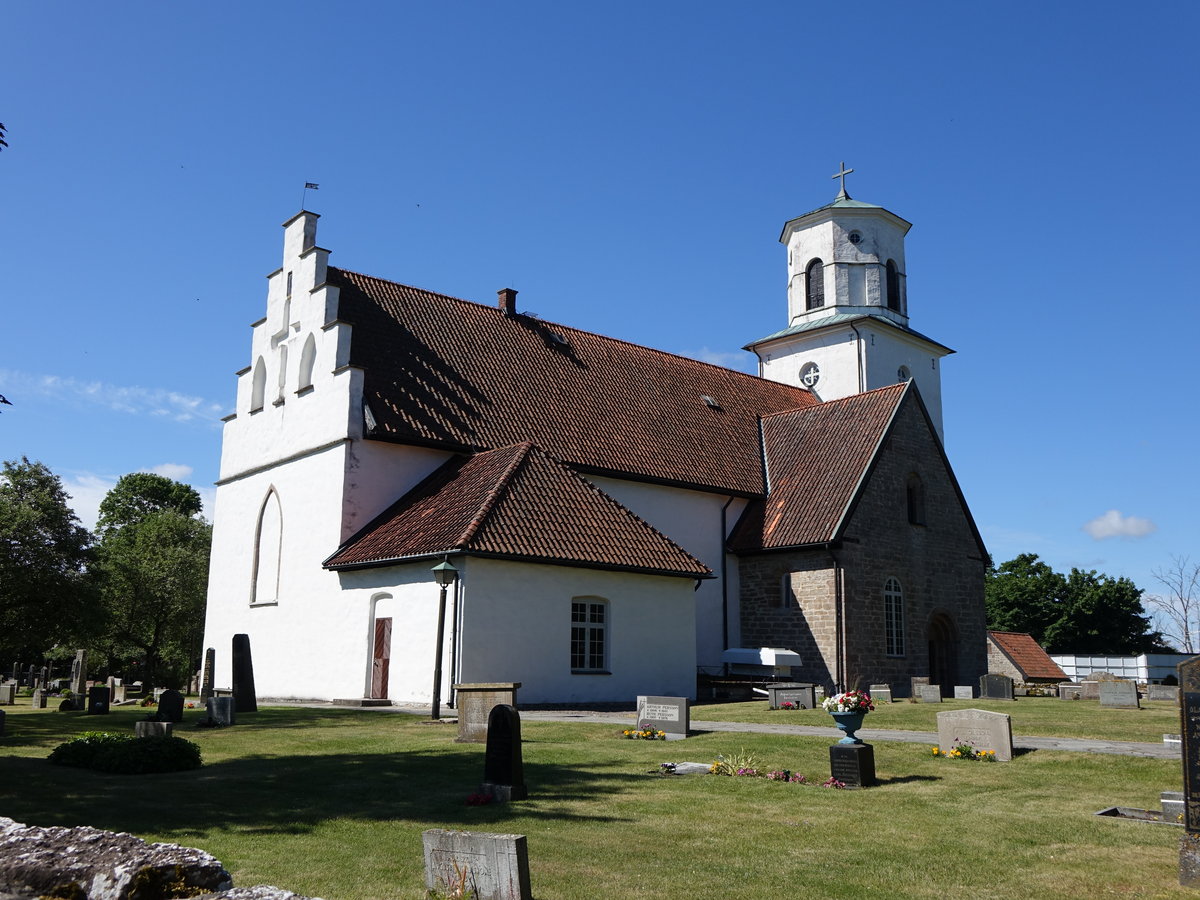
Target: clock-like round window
(854, 237)
(903, 374)
(810, 374)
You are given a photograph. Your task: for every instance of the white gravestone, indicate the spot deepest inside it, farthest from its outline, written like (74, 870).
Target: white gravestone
(980, 728)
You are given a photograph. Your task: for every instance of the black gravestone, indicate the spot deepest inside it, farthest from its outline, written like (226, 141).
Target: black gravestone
(503, 769)
(97, 702)
(2, 715)
(1189, 731)
(170, 707)
(243, 675)
(853, 764)
(221, 710)
(210, 663)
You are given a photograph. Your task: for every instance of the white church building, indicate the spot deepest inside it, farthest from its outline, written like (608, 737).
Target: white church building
(619, 518)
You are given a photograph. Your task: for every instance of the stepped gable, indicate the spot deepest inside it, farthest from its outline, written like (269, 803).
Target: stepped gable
(515, 503)
(816, 460)
(449, 373)
(1027, 656)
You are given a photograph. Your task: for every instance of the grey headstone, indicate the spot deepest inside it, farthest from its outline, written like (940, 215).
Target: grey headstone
(39, 699)
(210, 664)
(915, 684)
(1069, 690)
(222, 710)
(801, 695)
(79, 676)
(982, 729)
(243, 675)
(881, 693)
(853, 764)
(668, 714)
(930, 693)
(492, 866)
(118, 693)
(97, 702)
(475, 702)
(153, 729)
(995, 687)
(964, 692)
(503, 767)
(8, 694)
(1119, 695)
(170, 707)
(1172, 806)
(1167, 692)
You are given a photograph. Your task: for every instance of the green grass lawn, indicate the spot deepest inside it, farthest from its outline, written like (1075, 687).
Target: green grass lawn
(332, 803)
(1040, 716)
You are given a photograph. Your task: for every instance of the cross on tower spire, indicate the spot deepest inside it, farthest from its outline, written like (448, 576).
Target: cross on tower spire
(842, 175)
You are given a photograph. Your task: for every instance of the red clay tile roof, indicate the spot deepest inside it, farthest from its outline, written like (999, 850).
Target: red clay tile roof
(816, 459)
(1027, 655)
(515, 503)
(449, 373)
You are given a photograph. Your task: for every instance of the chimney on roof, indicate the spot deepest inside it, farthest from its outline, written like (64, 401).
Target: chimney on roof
(507, 301)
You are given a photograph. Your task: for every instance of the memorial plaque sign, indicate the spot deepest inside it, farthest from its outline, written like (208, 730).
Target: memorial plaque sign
(668, 714)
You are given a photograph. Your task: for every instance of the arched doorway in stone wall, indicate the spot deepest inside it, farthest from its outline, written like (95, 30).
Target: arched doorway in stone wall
(943, 653)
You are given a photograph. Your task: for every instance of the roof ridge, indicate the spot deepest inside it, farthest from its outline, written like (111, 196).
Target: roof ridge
(493, 494)
(899, 385)
(596, 334)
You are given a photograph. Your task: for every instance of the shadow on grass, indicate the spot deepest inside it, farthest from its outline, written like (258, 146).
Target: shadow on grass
(294, 794)
(905, 779)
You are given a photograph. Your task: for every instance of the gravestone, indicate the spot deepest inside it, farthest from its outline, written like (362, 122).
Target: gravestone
(222, 710)
(853, 764)
(39, 699)
(475, 703)
(930, 693)
(153, 729)
(97, 702)
(32, 676)
(800, 695)
(964, 692)
(668, 714)
(44, 678)
(982, 729)
(2, 716)
(481, 865)
(210, 663)
(1167, 692)
(503, 768)
(995, 687)
(915, 685)
(1090, 690)
(1069, 690)
(243, 675)
(118, 693)
(881, 693)
(79, 677)
(1189, 721)
(8, 693)
(1119, 695)
(170, 707)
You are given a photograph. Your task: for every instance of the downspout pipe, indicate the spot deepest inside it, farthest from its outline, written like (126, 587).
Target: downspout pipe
(858, 353)
(839, 588)
(724, 577)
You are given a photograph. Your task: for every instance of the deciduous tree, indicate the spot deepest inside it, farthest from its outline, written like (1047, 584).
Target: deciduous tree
(1179, 606)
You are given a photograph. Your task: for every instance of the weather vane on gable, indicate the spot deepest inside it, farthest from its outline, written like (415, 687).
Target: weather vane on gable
(842, 175)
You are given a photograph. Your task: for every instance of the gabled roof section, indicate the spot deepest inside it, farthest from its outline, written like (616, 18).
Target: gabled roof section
(816, 460)
(458, 375)
(1027, 655)
(838, 319)
(515, 503)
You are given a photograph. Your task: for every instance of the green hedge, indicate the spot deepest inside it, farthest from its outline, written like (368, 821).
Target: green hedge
(125, 754)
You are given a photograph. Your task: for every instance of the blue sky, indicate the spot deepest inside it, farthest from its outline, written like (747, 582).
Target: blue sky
(628, 168)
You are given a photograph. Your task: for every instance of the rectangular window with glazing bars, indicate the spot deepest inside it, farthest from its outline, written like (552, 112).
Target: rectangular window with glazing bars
(589, 632)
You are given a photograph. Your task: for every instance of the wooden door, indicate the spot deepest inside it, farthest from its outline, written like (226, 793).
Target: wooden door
(379, 664)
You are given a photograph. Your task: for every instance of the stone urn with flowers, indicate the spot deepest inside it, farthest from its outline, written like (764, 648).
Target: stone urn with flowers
(848, 709)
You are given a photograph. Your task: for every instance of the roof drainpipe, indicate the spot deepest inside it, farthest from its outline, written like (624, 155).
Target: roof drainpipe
(858, 346)
(725, 580)
(507, 301)
(839, 588)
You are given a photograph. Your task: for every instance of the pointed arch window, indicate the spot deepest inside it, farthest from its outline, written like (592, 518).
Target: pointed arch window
(308, 359)
(258, 385)
(268, 545)
(814, 285)
(893, 617)
(914, 492)
(893, 286)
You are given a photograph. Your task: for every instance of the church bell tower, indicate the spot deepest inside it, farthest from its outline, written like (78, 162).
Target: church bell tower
(848, 317)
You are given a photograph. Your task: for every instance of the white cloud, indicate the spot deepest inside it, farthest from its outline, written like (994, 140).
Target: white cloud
(87, 490)
(174, 471)
(1113, 524)
(738, 360)
(133, 400)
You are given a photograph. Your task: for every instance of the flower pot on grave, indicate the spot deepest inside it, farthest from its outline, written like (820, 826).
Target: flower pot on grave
(848, 723)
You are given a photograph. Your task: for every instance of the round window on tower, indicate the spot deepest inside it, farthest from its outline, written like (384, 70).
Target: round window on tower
(902, 374)
(810, 374)
(854, 237)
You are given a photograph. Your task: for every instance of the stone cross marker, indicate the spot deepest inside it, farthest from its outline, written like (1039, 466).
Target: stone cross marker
(210, 663)
(1189, 730)
(477, 864)
(243, 675)
(503, 768)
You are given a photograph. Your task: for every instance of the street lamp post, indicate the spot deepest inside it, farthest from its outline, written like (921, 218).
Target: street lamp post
(445, 575)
